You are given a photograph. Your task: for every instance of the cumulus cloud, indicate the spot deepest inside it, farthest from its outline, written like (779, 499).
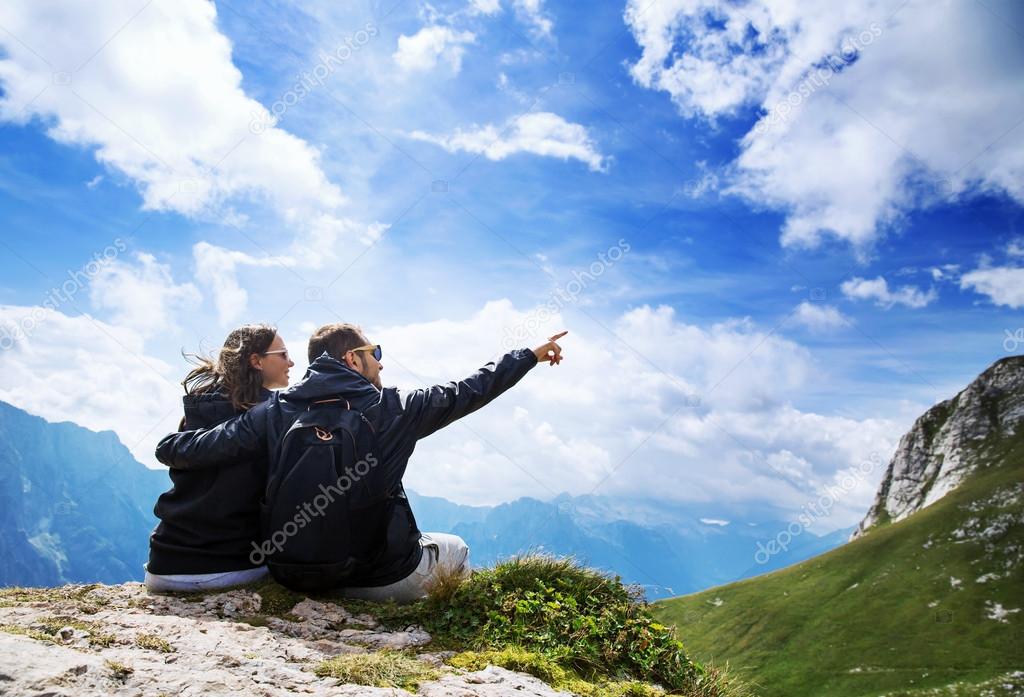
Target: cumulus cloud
(422, 51)
(877, 289)
(87, 371)
(667, 409)
(1004, 285)
(838, 147)
(817, 317)
(187, 144)
(142, 296)
(542, 133)
(216, 268)
(153, 92)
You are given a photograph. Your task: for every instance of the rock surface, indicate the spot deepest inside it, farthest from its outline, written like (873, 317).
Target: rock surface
(937, 454)
(121, 640)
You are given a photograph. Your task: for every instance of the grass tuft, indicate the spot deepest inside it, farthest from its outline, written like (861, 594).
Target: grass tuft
(119, 671)
(563, 621)
(153, 643)
(381, 669)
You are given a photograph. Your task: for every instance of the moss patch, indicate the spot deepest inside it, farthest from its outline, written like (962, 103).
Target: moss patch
(118, 671)
(381, 669)
(548, 670)
(153, 643)
(276, 599)
(74, 594)
(46, 629)
(23, 631)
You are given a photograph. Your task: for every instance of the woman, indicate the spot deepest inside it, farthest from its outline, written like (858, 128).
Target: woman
(210, 519)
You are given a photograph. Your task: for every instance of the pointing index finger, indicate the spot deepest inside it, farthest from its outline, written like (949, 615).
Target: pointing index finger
(558, 336)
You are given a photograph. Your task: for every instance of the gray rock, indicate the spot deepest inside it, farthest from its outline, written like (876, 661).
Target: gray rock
(940, 450)
(212, 652)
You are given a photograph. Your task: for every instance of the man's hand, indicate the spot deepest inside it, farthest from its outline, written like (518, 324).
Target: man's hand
(550, 351)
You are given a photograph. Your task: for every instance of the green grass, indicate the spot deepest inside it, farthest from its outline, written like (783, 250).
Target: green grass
(566, 622)
(857, 622)
(1008, 685)
(380, 669)
(540, 666)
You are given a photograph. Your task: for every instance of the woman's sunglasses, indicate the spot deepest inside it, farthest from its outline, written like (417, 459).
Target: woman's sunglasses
(377, 353)
(283, 352)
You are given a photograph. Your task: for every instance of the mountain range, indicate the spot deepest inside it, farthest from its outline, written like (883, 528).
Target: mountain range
(76, 507)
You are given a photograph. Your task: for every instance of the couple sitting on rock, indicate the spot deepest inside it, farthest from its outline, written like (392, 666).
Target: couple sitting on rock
(246, 458)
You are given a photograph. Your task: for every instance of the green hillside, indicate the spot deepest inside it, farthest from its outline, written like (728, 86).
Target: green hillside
(933, 600)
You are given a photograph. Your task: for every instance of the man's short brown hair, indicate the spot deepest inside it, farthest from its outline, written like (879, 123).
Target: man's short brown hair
(336, 339)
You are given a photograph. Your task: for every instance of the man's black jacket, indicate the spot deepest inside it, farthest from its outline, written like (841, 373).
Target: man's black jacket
(210, 518)
(399, 418)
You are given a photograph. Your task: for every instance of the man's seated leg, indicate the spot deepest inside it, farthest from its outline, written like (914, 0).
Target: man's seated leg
(442, 554)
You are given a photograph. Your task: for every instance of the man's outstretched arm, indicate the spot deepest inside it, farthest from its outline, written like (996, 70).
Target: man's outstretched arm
(433, 408)
(242, 436)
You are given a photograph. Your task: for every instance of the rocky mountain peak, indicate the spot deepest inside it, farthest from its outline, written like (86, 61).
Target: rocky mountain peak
(939, 451)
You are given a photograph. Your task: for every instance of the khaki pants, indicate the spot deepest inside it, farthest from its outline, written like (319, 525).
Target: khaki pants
(440, 551)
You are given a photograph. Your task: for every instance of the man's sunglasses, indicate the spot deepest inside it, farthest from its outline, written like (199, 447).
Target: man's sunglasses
(377, 353)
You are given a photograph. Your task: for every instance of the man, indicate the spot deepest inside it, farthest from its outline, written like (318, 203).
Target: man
(343, 363)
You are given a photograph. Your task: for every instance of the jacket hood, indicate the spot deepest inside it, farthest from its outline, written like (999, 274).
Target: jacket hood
(212, 407)
(328, 377)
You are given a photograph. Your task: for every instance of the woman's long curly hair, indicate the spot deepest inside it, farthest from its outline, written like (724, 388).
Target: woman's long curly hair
(231, 372)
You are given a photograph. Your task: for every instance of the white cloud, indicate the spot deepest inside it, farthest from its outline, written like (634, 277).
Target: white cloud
(541, 133)
(1004, 285)
(422, 51)
(532, 14)
(569, 428)
(87, 371)
(714, 521)
(945, 272)
(142, 296)
(846, 152)
(216, 267)
(485, 7)
(818, 317)
(162, 102)
(1015, 248)
(877, 289)
(153, 92)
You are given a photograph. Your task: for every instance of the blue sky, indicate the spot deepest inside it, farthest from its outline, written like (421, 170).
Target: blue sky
(797, 283)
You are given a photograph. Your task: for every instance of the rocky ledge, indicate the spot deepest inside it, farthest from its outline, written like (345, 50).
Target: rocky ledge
(123, 640)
